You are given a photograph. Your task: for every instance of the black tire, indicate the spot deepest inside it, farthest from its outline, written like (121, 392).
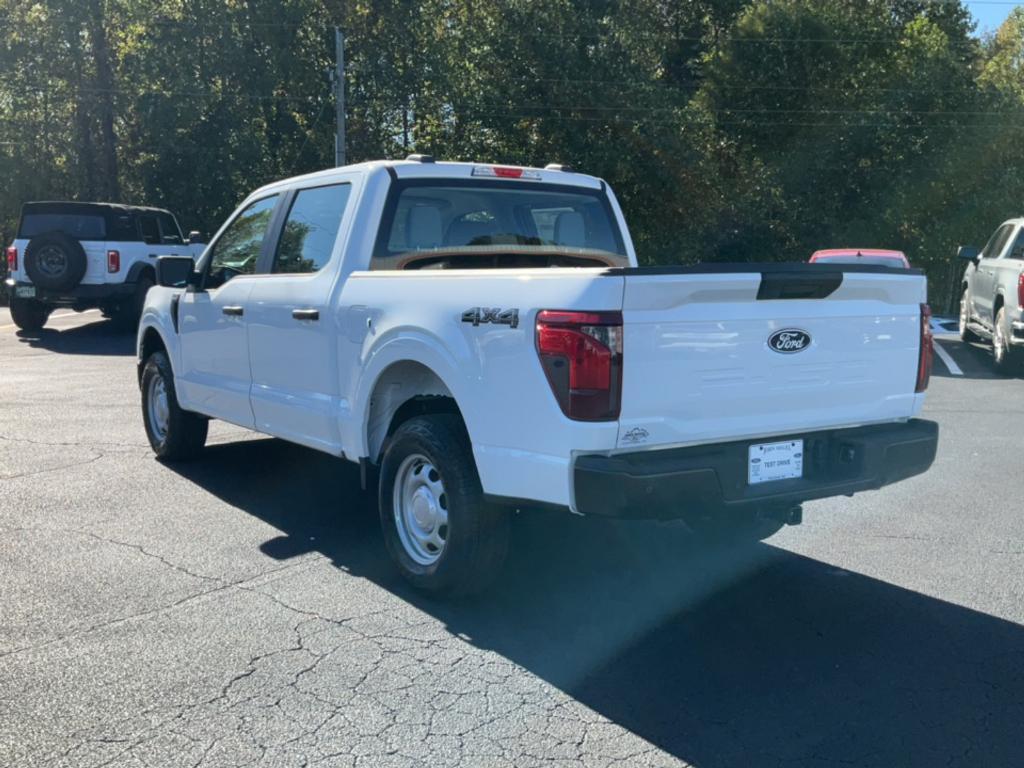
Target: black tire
(734, 529)
(477, 536)
(966, 334)
(55, 261)
(184, 434)
(130, 311)
(1005, 357)
(29, 314)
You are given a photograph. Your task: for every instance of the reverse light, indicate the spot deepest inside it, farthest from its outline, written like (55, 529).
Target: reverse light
(113, 261)
(581, 353)
(12, 259)
(925, 351)
(504, 172)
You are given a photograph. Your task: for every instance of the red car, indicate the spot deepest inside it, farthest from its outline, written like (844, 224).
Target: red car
(880, 256)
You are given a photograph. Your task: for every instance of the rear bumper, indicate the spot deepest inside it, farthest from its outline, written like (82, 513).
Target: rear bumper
(80, 295)
(666, 484)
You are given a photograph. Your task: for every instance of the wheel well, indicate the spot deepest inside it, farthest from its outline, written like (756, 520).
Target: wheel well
(151, 342)
(404, 390)
(997, 304)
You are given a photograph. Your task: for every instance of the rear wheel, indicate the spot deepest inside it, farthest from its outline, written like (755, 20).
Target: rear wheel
(174, 433)
(1004, 356)
(439, 530)
(29, 314)
(966, 334)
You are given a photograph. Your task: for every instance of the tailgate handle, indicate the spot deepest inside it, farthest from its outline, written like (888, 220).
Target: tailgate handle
(780, 285)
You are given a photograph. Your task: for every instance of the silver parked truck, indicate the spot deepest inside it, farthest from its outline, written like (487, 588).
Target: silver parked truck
(992, 294)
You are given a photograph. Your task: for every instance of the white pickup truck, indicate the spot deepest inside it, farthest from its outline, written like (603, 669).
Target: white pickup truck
(480, 339)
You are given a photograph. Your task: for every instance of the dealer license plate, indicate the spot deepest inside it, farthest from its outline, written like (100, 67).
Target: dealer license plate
(25, 291)
(775, 461)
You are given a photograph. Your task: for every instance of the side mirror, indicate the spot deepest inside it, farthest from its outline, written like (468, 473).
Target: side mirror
(195, 237)
(175, 271)
(967, 253)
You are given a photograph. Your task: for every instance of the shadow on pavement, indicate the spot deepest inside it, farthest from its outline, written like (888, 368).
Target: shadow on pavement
(756, 658)
(103, 337)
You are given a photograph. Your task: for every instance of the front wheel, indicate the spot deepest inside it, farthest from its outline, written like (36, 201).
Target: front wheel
(130, 311)
(29, 314)
(439, 530)
(966, 334)
(174, 433)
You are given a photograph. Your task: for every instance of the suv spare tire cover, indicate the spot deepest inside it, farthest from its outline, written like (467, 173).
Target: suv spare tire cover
(55, 261)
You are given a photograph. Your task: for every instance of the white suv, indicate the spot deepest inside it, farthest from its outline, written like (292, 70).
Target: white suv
(85, 255)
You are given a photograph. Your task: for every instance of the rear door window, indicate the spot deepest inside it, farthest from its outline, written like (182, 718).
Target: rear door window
(149, 228)
(996, 243)
(81, 226)
(310, 230)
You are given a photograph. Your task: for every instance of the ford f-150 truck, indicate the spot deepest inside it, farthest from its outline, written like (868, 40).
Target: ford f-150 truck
(480, 339)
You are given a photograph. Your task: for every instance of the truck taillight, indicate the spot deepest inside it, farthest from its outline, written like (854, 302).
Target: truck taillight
(1020, 290)
(113, 261)
(12, 259)
(924, 354)
(581, 353)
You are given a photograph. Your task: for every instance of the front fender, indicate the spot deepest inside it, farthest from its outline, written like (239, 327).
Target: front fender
(156, 316)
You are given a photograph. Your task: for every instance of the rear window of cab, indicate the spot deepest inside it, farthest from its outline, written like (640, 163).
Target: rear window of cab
(460, 224)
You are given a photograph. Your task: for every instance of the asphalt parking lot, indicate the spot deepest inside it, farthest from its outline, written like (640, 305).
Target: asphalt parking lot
(241, 610)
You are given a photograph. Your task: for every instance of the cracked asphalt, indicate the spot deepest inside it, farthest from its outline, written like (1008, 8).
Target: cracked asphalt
(241, 610)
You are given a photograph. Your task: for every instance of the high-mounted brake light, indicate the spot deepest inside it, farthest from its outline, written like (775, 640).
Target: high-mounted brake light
(12, 259)
(504, 172)
(581, 353)
(925, 351)
(113, 261)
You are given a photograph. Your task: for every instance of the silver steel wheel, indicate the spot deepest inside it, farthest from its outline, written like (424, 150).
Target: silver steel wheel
(158, 407)
(420, 509)
(52, 261)
(963, 313)
(998, 342)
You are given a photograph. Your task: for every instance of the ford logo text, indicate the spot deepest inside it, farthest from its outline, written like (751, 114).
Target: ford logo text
(789, 340)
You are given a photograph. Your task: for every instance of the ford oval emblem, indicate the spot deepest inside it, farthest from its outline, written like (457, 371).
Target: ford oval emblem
(789, 341)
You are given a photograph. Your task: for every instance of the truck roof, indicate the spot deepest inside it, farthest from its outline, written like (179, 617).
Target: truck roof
(440, 169)
(85, 207)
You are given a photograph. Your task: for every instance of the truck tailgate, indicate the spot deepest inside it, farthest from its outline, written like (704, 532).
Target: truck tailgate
(732, 352)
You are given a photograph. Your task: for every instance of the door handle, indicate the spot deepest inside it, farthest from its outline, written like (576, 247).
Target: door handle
(306, 314)
(233, 311)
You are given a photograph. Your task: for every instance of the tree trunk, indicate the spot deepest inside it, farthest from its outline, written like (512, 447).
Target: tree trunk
(109, 183)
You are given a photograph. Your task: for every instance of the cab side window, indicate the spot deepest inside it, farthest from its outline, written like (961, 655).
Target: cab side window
(310, 230)
(238, 248)
(995, 244)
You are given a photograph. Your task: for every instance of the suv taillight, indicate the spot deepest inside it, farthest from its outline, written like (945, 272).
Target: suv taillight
(12, 259)
(924, 354)
(113, 261)
(581, 353)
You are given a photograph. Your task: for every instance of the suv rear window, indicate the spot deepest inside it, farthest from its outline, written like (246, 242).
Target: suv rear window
(82, 226)
(458, 224)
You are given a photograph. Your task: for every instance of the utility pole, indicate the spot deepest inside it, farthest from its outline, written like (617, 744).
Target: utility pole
(339, 97)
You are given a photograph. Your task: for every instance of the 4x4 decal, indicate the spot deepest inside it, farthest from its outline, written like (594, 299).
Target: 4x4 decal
(497, 315)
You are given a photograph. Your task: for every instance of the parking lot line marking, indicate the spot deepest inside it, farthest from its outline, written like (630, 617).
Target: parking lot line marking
(54, 317)
(948, 360)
